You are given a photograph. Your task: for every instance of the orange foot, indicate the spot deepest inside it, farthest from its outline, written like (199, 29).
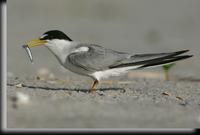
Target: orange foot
(93, 89)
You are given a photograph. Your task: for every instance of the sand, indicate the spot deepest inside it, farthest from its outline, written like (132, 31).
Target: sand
(133, 103)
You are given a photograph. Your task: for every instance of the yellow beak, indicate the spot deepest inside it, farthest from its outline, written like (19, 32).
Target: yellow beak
(36, 42)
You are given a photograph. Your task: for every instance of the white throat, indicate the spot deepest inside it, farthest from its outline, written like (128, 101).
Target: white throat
(60, 48)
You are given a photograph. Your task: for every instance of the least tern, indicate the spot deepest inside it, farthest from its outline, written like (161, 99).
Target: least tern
(96, 61)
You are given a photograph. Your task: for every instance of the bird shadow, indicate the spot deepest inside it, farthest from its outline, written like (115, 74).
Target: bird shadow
(70, 89)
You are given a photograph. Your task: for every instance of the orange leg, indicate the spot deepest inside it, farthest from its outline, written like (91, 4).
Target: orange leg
(93, 89)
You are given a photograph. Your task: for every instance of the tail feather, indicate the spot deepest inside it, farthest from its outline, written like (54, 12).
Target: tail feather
(148, 60)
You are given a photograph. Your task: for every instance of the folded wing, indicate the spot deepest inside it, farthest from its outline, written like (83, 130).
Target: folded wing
(97, 58)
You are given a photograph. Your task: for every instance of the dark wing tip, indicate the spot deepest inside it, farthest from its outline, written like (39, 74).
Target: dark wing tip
(166, 61)
(188, 56)
(179, 52)
(186, 50)
(185, 56)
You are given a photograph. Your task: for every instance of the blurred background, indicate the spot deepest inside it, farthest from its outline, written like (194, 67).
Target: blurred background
(135, 26)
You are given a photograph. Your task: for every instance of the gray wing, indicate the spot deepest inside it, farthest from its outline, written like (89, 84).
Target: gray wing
(96, 58)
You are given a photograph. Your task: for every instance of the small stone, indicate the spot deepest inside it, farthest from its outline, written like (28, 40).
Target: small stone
(43, 72)
(179, 98)
(166, 93)
(22, 98)
(101, 94)
(183, 103)
(19, 85)
(122, 91)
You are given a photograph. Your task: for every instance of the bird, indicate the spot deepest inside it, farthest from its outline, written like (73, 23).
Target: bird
(98, 62)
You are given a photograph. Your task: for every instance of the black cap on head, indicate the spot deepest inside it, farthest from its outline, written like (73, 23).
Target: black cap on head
(54, 34)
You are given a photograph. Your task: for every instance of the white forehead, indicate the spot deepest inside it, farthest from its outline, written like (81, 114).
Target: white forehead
(44, 35)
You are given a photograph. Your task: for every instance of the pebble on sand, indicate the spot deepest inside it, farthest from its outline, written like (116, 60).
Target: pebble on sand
(42, 73)
(19, 85)
(20, 99)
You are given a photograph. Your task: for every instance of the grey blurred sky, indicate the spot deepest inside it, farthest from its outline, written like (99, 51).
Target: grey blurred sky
(140, 26)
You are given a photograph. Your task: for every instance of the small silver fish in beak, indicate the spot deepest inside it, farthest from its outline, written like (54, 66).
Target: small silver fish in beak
(33, 43)
(28, 52)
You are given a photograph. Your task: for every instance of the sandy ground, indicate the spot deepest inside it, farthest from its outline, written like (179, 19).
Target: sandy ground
(120, 103)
